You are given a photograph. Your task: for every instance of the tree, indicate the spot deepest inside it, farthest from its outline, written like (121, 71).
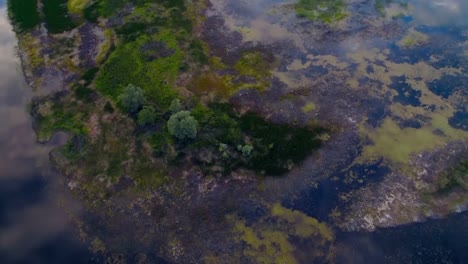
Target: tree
(147, 115)
(246, 150)
(175, 106)
(182, 125)
(132, 98)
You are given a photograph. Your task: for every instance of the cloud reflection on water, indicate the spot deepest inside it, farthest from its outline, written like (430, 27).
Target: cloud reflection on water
(440, 12)
(33, 229)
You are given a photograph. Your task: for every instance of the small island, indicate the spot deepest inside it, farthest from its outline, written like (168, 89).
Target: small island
(211, 131)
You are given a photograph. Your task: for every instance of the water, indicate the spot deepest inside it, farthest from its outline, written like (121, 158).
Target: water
(434, 241)
(33, 228)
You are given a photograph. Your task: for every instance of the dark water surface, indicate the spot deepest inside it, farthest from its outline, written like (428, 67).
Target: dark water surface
(33, 228)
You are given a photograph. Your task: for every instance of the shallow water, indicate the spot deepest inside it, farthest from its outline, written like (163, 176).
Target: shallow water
(33, 228)
(393, 82)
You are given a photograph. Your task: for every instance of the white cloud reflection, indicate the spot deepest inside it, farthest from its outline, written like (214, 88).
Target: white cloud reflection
(441, 12)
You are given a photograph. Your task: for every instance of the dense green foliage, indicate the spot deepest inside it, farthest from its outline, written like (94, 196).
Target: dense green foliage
(322, 10)
(175, 106)
(132, 98)
(146, 116)
(56, 16)
(278, 146)
(23, 14)
(182, 125)
(251, 141)
(129, 64)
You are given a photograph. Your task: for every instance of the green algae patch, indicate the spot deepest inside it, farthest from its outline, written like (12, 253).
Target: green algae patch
(305, 226)
(105, 47)
(326, 11)
(413, 39)
(211, 84)
(257, 65)
(266, 246)
(285, 236)
(29, 46)
(253, 70)
(308, 107)
(398, 144)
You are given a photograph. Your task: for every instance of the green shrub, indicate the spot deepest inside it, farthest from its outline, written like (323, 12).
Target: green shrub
(246, 150)
(23, 14)
(175, 106)
(182, 125)
(146, 116)
(132, 98)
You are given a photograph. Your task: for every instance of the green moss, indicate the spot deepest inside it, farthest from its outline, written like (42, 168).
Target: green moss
(254, 64)
(398, 144)
(211, 84)
(305, 226)
(308, 107)
(122, 68)
(30, 47)
(23, 14)
(266, 245)
(105, 47)
(58, 118)
(326, 11)
(77, 6)
(412, 39)
(128, 64)
(272, 238)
